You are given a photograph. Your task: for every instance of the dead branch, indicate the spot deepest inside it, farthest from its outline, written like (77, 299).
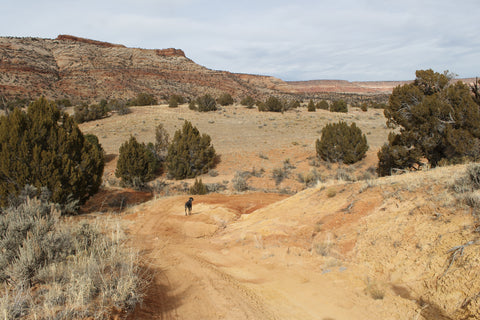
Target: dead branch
(456, 252)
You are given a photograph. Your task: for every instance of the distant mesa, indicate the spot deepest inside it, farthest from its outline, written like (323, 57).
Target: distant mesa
(161, 52)
(92, 70)
(84, 40)
(170, 52)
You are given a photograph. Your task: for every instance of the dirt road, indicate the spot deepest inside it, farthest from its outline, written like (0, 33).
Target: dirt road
(203, 267)
(185, 284)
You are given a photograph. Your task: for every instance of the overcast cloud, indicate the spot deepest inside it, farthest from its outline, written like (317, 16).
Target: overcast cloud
(305, 40)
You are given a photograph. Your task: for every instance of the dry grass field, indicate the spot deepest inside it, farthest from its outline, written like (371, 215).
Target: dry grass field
(245, 139)
(350, 246)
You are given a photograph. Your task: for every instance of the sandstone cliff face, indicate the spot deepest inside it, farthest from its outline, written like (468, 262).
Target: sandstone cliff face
(89, 70)
(85, 70)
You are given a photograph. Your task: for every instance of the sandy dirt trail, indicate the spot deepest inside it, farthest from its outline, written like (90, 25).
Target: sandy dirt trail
(201, 272)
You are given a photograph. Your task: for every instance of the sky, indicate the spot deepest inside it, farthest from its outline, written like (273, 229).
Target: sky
(362, 40)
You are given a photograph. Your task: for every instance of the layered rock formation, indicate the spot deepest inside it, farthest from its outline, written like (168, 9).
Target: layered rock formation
(85, 70)
(88, 70)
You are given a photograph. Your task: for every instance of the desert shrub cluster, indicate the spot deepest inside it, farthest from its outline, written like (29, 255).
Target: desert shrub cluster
(436, 120)
(44, 147)
(188, 155)
(339, 106)
(341, 142)
(198, 187)
(247, 101)
(175, 100)
(225, 99)
(467, 187)
(52, 269)
(206, 103)
(7, 104)
(323, 104)
(272, 104)
(142, 99)
(86, 113)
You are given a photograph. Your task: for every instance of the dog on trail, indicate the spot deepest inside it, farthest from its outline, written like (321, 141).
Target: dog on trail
(188, 207)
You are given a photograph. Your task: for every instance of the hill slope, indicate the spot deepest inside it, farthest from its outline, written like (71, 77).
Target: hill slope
(381, 249)
(87, 70)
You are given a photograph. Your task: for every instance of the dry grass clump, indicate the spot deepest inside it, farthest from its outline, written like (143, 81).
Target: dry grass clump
(468, 186)
(239, 181)
(52, 269)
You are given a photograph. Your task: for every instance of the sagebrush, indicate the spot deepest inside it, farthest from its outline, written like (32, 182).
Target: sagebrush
(52, 269)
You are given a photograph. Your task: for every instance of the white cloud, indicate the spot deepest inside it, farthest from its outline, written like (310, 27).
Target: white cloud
(342, 39)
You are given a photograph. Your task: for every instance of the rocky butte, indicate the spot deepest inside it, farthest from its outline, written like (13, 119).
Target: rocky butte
(85, 70)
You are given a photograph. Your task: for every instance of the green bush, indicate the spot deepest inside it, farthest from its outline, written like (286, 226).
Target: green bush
(341, 143)
(311, 106)
(206, 103)
(437, 121)
(136, 164)
(323, 104)
(192, 105)
(63, 103)
(248, 101)
(339, 106)
(44, 147)
(292, 104)
(11, 104)
(189, 154)
(119, 106)
(225, 99)
(142, 99)
(198, 187)
(86, 113)
(162, 141)
(175, 100)
(272, 104)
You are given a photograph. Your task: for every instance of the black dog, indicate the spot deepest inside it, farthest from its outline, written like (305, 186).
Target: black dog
(188, 207)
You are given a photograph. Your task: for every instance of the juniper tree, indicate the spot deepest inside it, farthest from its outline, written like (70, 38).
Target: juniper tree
(136, 163)
(43, 147)
(206, 103)
(189, 154)
(436, 120)
(341, 143)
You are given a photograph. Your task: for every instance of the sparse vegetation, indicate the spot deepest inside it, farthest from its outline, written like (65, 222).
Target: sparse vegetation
(198, 187)
(323, 104)
(175, 100)
(272, 104)
(225, 99)
(248, 101)
(339, 106)
(55, 270)
(310, 178)
(143, 99)
(239, 182)
(468, 185)
(206, 103)
(162, 141)
(86, 113)
(311, 106)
